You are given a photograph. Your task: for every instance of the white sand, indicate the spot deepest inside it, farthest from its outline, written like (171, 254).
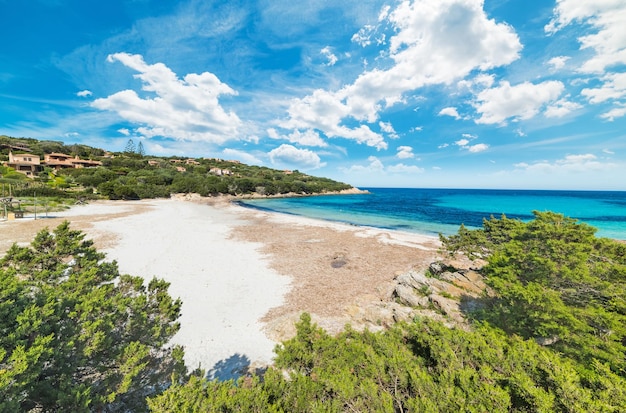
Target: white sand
(226, 286)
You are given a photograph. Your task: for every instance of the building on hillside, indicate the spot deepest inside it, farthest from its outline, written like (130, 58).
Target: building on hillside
(220, 172)
(59, 161)
(25, 163)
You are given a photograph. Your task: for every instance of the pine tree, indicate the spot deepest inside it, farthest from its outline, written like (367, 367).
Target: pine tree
(140, 149)
(130, 147)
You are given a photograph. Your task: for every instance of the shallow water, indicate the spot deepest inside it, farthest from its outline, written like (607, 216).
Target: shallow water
(433, 211)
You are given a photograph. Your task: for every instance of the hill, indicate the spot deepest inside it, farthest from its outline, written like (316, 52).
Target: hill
(133, 175)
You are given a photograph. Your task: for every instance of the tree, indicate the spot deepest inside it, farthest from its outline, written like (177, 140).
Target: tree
(130, 147)
(554, 282)
(140, 150)
(423, 366)
(75, 335)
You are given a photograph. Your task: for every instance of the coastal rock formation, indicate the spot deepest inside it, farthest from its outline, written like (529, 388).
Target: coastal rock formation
(441, 287)
(438, 293)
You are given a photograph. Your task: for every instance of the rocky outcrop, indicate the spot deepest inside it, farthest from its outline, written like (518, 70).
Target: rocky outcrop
(441, 292)
(441, 288)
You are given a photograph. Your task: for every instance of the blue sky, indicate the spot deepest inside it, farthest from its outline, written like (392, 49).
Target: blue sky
(423, 93)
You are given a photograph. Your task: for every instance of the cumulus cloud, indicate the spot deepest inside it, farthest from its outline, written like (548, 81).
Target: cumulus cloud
(185, 109)
(449, 111)
(465, 144)
(404, 169)
(387, 127)
(300, 158)
(451, 38)
(606, 40)
(607, 18)
(84, 93)
(124, 131)
(375, 165)
(364, 36)
(558, 62)
(405, 152)
(613, 88)
(307, 138)
(328, 54)
(522, 101)
(479, 147)
(245, 157)
(560, 108)
(616, 112)
(570, 163)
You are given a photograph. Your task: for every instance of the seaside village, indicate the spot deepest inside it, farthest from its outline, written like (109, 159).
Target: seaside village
(31, 165)
(21, 160)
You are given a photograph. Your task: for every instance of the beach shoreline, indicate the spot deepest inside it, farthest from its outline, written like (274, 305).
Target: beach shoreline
(244, 275)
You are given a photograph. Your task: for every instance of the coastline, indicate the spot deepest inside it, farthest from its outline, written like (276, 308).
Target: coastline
(244, 275)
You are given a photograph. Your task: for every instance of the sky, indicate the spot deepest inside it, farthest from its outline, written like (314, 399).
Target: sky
(506, 94)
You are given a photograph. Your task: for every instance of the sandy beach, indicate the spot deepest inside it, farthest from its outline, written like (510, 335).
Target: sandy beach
(244, 276)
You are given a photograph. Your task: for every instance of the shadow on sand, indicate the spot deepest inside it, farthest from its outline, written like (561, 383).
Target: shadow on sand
(232, 368)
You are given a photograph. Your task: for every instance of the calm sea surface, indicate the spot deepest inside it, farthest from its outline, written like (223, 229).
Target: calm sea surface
(433, 211)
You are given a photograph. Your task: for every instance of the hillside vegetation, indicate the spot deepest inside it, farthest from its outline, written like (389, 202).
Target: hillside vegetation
(134, 175)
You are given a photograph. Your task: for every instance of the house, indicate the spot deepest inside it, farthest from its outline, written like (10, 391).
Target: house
(85, 163)
(59, 161)
(25, 163)
(220, 172)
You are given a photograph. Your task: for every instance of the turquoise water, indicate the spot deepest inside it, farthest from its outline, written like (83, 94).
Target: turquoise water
(433, 211)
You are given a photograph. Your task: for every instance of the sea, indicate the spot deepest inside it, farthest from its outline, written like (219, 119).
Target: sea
(442, 211)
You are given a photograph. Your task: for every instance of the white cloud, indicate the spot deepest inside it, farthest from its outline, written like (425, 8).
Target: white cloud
(364, 36)
(328, 54)
(416, 129)
(124, 131)
(403, 169)
(375, 165)
(570, 163)
(608, 151)
(84, 93)
(613, 88)
(522, 101)
(464, 144)
(558, 62)
(614, 113)
(560, 108)
(405, 152)
(307, 138)
(184, 109)
(606, 39)
(300, 158)
(387, 127)
(450, 39)
(241, 156)
(449, 111)
(480, 147)
(607, 17)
